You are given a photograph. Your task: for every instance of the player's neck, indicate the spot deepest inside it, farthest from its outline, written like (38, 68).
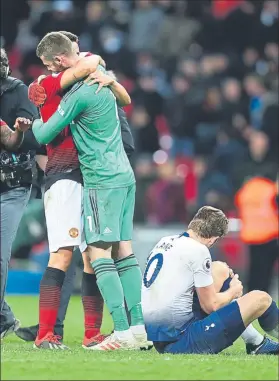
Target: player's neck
(194, 236)
(71, 61)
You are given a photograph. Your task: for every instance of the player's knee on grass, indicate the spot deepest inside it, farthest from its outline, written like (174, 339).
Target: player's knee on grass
(61, 259)
(220, 272)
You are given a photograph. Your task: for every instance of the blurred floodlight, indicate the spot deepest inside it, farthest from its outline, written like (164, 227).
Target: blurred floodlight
(165, 142)
(160, 157)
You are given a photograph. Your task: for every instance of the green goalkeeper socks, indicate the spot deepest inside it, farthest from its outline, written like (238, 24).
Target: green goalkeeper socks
(111, 289)
(131, 279)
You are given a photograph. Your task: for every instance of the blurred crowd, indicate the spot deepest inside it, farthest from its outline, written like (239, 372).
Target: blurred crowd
(203, 77)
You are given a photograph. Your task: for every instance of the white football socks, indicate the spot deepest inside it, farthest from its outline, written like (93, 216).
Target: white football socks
(138, 329)
(252, 336)
(126, 335)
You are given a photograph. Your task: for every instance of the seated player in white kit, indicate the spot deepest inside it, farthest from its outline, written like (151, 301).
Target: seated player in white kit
(177, 322)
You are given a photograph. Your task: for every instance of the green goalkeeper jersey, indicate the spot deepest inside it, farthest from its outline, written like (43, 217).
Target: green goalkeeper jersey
(95, 127)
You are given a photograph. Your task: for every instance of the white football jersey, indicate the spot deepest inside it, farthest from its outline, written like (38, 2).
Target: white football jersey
(176, 265)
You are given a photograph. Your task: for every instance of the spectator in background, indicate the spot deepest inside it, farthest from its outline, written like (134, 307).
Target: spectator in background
(258, 212)
(209, 121)
(146, 94)
(269, 123)
(212, 186)
(164, 198)
(258, 161)
(176, 32)
(145, 135)
(233, 103)
(269, 21)
(181, 115)
(144, 26)
(249, 60)
(254, 87)
(254, 179)
(145, 171)
(231, 142)
(115, 52)
(62, 16)
(241, 28)
(95, 17)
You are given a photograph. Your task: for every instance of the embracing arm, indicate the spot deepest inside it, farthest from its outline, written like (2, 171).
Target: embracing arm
(66, 112)
(108, 79)
(80, 70)
(120, 93)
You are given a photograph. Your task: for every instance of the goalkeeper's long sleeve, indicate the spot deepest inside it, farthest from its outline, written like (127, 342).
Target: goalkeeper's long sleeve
(66, 112)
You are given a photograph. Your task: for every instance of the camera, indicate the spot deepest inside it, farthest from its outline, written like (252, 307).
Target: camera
(15, 159)
(15, 168)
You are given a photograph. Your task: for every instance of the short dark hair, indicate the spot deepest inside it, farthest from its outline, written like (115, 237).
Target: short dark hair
(54, 44)
(71, 36)
(209, 222)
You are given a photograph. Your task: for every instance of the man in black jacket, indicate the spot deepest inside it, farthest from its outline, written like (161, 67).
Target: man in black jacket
(16, 177)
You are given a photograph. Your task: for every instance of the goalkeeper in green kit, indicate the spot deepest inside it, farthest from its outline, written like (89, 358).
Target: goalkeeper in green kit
(109, 198)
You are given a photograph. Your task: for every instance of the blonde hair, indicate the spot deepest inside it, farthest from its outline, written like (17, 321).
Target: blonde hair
(54, 44)
(209, 222)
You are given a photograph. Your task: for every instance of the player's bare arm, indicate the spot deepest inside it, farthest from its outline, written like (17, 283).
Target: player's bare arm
(80, 70)
(13, 139)
(70, 76)
(211, 301)
(109, 79)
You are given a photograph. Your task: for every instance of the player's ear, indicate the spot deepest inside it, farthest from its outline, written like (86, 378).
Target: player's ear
(57, 60)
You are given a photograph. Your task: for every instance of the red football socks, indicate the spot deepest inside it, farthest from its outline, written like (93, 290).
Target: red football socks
(50, 291)
(93, 305)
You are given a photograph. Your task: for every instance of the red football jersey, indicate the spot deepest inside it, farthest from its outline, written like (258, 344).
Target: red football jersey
(61, 152)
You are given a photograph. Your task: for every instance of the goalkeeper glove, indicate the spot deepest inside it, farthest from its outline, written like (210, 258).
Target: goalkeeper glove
(36, 94)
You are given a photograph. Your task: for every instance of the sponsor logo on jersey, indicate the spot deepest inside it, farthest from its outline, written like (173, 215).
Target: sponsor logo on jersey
(74, 232)
(60, 110)
(107, 231)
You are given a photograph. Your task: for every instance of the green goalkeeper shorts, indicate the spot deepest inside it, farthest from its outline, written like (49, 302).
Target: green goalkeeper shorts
(108, 214)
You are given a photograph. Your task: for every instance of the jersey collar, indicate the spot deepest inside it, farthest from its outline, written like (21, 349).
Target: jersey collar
(185, 234)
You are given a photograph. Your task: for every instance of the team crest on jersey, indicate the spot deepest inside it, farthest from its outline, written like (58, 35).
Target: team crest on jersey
(74, 232)
(207, 265)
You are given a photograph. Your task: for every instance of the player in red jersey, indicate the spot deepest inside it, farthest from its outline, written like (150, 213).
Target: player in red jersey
(63, 209)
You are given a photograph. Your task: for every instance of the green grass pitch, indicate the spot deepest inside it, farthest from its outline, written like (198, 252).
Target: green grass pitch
(19, 361)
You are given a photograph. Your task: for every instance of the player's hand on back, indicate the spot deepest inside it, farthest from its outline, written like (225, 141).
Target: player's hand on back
(22, 124)
(236, 286)
(36, 92)
(99, 77)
